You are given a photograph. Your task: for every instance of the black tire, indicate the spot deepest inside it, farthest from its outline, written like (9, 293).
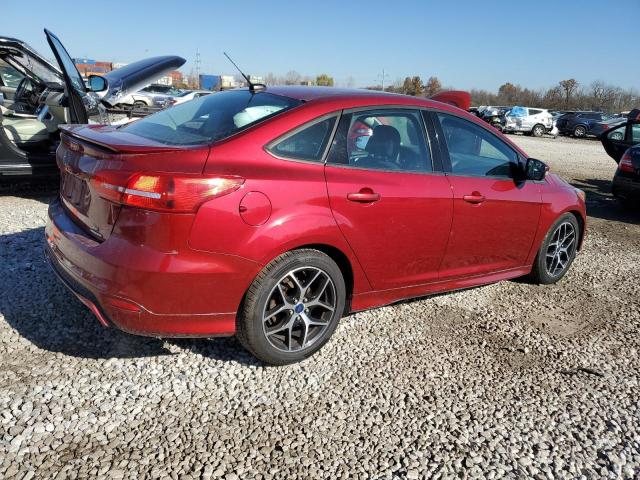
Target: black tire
(140, 104)
(538, 130)
(541, 273)
(580, 131)
(251, 327)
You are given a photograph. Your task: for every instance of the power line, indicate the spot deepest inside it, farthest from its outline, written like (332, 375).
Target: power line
(382, 76)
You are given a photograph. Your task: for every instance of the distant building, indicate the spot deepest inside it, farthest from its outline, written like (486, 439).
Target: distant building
(88, 66)
(307, 83)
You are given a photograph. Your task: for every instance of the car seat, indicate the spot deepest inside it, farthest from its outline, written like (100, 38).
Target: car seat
(23, 131)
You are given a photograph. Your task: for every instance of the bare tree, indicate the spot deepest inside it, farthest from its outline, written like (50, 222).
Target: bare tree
(292, 78)
(569, 87)
(432, 87)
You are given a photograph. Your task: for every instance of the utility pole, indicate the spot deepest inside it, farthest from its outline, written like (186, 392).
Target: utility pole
(382, 78)
(198, 61)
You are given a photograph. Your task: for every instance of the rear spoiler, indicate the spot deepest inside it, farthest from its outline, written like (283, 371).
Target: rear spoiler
(457, 98)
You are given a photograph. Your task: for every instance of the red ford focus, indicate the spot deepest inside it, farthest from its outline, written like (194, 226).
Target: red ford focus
(260, 214)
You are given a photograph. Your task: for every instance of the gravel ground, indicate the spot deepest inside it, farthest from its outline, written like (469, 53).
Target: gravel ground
(508, 380)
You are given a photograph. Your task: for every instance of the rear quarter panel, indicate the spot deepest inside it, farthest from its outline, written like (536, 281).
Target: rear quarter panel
(299, 215)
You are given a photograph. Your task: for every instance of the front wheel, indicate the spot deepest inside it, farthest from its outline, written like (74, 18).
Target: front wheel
(557, 251)
(292, 307)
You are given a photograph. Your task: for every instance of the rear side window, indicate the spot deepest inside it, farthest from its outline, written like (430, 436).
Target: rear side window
(9, 76)
(473, 151)
(210, 118)
(306, 143)
(390, 140)
(534, 112)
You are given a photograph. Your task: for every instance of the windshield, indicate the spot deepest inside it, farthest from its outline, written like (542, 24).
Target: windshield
(210, 118)
(39, 68)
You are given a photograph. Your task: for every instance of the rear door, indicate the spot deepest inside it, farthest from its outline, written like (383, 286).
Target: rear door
(495, 216)
(618, 139)
(389, 197)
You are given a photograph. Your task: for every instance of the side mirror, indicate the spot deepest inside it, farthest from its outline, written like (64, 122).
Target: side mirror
(97, 83)
(535, 169)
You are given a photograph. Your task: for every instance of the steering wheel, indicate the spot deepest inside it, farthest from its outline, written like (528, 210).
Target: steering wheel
(23, 90)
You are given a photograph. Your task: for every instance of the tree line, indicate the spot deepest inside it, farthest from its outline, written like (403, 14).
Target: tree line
(568, 94)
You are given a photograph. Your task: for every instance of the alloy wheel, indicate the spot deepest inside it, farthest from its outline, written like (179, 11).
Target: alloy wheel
(538, 131)
(561, 249)
(299, 309)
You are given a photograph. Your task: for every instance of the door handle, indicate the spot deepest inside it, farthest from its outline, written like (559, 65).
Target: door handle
(365, 195)
(474, 198)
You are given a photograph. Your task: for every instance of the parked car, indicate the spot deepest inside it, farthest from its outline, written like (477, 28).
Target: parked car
(598, 128)
(579, 124)
(247, 212)
(492, 115)
(153, 96)
(532, 121)
(188, 95)
(622, 143)
(49, 96)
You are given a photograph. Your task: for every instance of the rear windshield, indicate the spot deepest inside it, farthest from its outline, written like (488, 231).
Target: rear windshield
(210, 118)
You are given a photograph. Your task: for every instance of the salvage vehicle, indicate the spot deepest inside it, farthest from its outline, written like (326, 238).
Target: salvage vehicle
(49, 96)
(188, 95)
(531, 121)
(155, 96)
(598, 128)
(492, 116)
(249, 212)
(580, 124)
(622, 143)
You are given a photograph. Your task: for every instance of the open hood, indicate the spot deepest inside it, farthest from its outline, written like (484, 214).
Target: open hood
(134, 76)
(28, 62)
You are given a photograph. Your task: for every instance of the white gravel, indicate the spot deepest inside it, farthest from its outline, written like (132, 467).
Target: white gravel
(508, 380)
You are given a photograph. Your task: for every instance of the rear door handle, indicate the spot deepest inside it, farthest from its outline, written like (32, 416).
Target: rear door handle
(365, 195)
(474, 198)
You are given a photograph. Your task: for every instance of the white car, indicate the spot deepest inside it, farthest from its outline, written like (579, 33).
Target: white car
(534, 121)
(188, 95)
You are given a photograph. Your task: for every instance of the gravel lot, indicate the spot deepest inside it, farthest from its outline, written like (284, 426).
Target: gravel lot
(508, 380)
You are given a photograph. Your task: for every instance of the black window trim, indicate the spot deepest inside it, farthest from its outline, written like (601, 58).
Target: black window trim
(436, 165)
(445, 149)
(269, 147)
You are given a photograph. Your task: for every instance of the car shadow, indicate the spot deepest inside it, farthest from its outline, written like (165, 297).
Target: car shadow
(42, 190)
(602, 204)
(36, 305)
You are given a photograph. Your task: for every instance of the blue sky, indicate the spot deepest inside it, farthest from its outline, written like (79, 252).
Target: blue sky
(467, 44)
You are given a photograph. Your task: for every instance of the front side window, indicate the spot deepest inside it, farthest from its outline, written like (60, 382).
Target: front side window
(635, 133)
(473, 151)
(382, 140)
(210, 118)
(307, 143)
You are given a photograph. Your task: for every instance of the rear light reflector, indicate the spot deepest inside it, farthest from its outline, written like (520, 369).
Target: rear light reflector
(626, 163)
(163, 192)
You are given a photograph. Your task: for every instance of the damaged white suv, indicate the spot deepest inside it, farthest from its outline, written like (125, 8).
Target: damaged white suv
(533, 121)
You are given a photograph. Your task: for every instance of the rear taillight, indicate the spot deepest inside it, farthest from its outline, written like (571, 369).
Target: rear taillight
(626, 163)
(177, 193)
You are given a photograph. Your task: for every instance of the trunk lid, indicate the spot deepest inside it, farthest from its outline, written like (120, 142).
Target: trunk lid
(89, 153)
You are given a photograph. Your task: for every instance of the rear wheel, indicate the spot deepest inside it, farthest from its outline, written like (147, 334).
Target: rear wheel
(617, 136)
(580, 131)
(292, 307)
(538, 130)
(557, 251)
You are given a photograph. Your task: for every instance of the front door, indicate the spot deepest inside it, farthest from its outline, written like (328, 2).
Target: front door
(495, 215)
(391, 205)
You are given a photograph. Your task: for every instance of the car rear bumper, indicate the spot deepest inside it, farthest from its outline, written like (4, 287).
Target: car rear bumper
(626, 187)
(130, 286)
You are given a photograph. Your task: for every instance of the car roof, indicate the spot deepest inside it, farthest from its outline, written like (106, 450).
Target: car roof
(359, 95)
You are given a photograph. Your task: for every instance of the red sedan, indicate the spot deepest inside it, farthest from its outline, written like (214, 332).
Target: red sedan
(254, 213)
